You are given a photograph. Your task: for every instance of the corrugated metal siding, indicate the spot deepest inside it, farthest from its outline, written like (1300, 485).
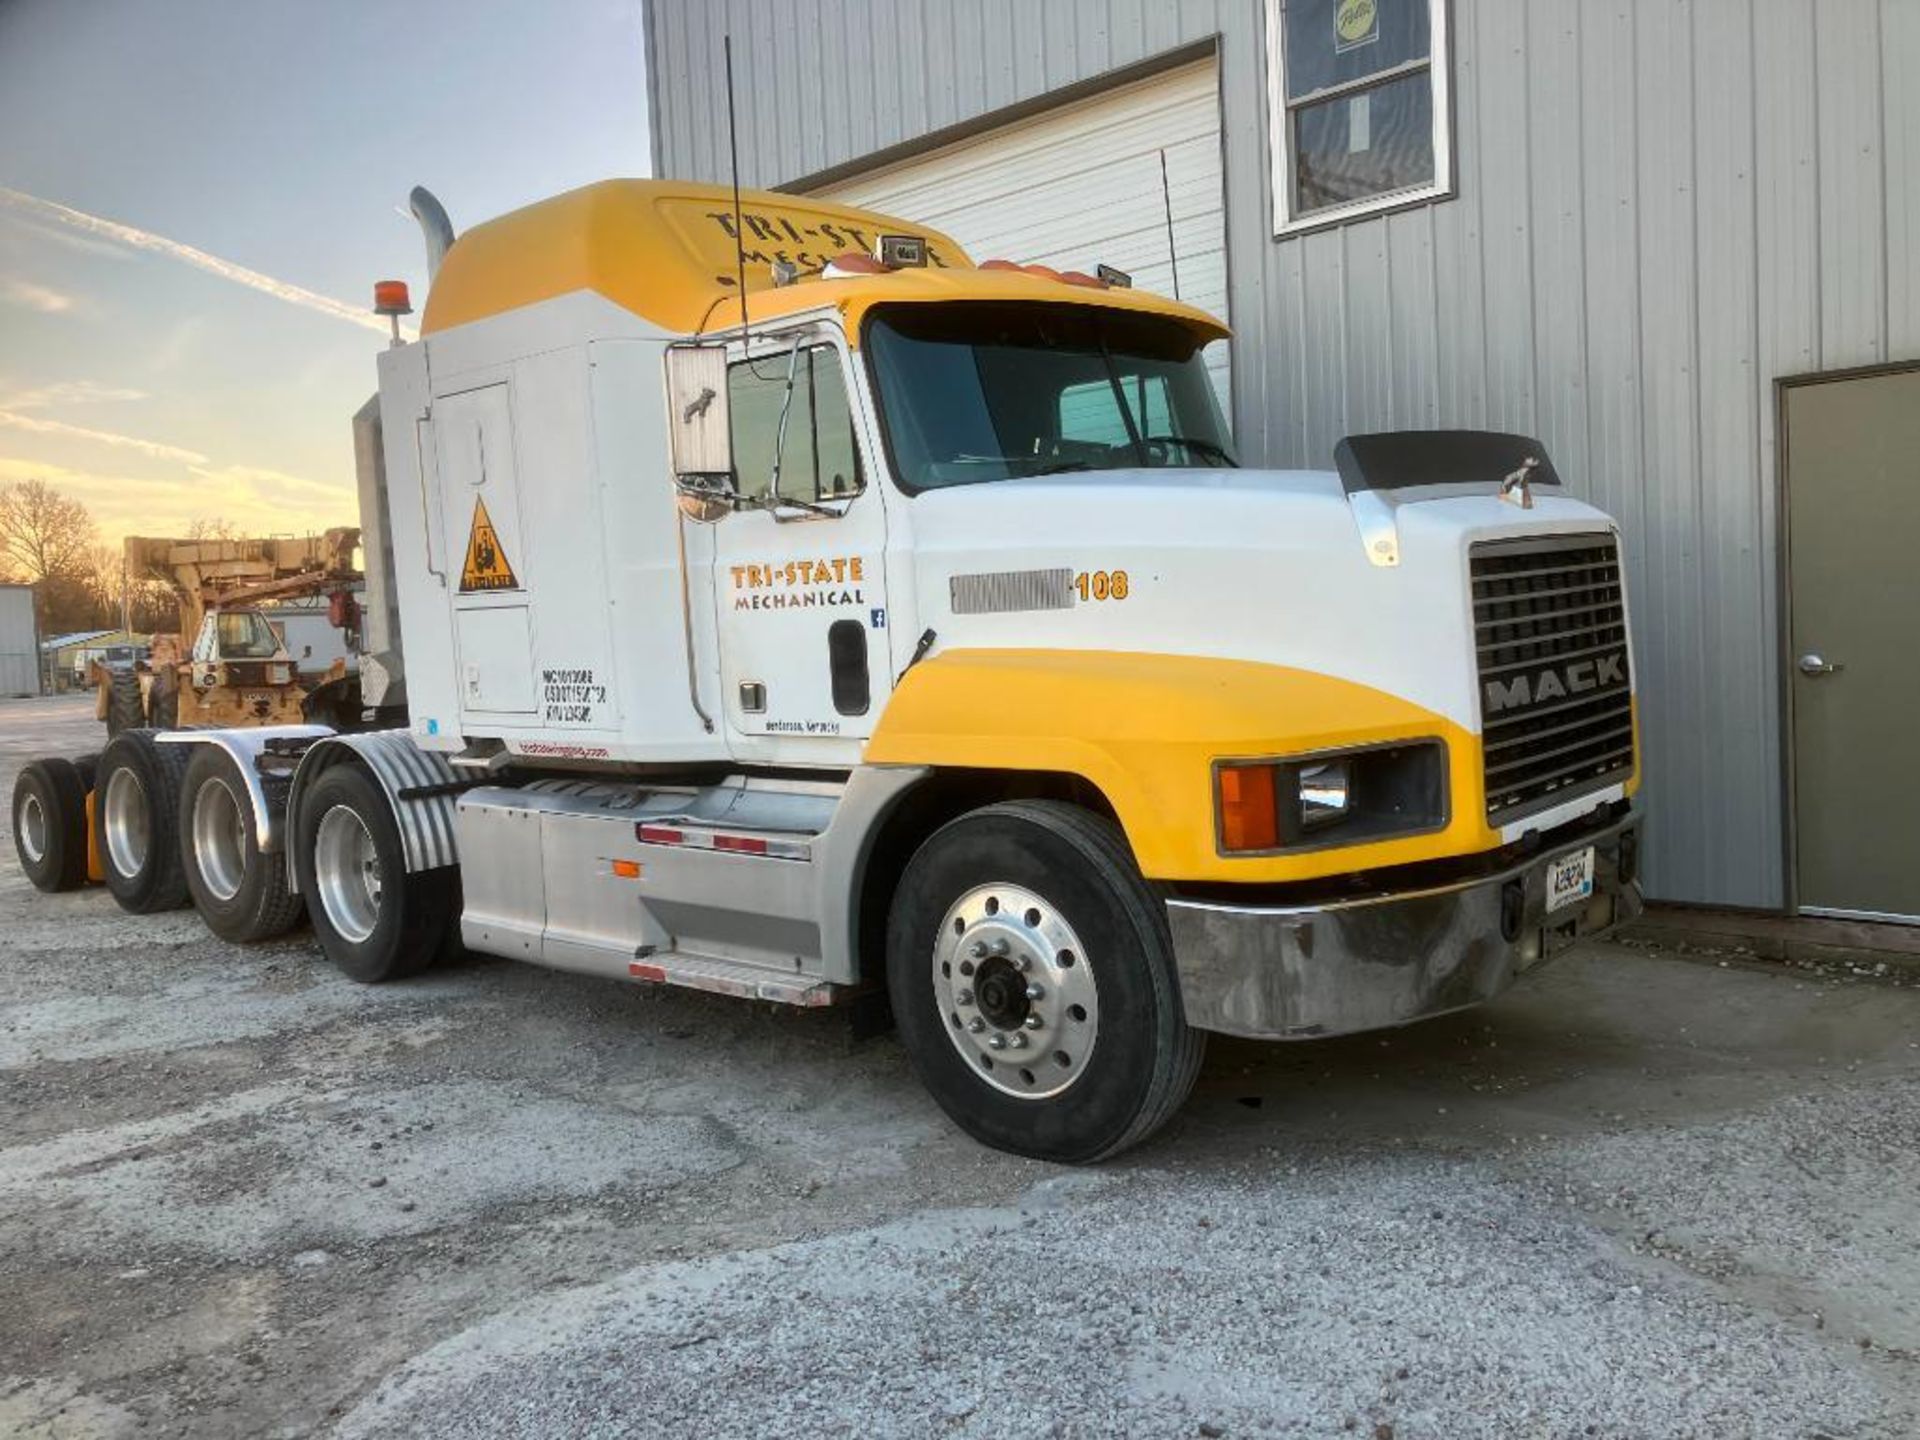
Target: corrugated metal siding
(1664, 205)
(19, 642)
(1081, 184)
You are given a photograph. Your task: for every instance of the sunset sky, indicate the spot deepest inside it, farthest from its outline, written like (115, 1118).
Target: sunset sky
(196, 198)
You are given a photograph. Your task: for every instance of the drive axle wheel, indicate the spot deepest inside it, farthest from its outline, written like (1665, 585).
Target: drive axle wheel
(240, 891)
(50, 824)
(1043, 1012)
(374, 920)
(136, 822)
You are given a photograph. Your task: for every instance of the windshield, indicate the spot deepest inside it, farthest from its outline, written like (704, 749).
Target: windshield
(246, 635)
(989, 392)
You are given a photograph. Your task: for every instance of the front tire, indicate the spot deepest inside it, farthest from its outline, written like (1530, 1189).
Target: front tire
(136, 822)
(1028, 924)
(374, 920)
(240, 891)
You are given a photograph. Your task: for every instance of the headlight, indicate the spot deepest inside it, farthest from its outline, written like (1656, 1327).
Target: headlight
(1324, 790)
(1341, 797)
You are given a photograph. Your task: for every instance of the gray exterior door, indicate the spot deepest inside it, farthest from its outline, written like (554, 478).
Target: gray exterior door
(1852, 451)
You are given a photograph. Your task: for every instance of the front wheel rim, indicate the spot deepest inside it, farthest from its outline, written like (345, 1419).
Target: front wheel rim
(128, 823)
(1015, 991)
(30, 824)
(219, 839)
(346, 870)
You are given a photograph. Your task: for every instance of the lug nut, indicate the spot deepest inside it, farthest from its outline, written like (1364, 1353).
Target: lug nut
(1034, 992)
(1033, 1022)
(1023, 962)
(999, 947)
(1017, 1040)
(976, 1025)
(996, 1041)
(963, 996)
(978, 950)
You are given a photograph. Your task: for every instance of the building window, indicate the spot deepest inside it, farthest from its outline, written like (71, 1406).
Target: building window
(1358, 94)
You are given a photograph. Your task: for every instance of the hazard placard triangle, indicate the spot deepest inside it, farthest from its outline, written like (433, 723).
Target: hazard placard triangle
(487, 567)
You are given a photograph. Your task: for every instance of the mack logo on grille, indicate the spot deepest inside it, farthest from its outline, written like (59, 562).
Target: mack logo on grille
(1556, 682)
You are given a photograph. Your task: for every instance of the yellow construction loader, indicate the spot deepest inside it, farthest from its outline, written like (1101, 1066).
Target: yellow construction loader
(228, 665)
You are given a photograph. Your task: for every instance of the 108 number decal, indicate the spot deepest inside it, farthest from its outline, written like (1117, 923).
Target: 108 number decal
(1101, 584)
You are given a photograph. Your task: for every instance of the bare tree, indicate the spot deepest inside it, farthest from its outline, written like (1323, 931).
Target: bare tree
(206, 527)
(44, 535)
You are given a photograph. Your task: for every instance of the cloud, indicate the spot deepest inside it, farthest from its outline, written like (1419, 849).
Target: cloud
(139, 239)
(245, 495)
(67, 392)
(34, 425)
(30, 296)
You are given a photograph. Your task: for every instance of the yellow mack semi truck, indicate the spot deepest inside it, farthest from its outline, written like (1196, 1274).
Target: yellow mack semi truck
(765, 597)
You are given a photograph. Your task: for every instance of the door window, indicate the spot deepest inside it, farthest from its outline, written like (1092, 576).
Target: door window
(816, 454)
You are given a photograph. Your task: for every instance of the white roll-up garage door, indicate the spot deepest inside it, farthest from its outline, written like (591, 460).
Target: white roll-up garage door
(1080, 185)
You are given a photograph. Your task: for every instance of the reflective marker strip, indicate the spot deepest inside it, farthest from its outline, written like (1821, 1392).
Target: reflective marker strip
(655, 973)
(732, 844)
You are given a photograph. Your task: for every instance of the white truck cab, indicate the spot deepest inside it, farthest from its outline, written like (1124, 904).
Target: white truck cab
(772, 600)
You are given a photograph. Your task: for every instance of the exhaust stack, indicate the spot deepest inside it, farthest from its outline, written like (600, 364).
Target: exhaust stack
(435, 227)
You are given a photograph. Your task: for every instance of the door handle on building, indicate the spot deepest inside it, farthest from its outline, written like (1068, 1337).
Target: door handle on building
(1814, 666)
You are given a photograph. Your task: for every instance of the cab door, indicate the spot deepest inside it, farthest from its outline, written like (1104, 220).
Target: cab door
(798, 576)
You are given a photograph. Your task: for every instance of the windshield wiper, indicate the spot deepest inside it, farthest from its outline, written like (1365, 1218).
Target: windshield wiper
(1194, 442)
(1061, 467)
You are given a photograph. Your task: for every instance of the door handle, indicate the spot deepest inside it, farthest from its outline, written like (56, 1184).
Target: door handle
(1814, 666)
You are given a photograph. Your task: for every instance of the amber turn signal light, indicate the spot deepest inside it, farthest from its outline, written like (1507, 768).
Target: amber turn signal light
(1249, 819)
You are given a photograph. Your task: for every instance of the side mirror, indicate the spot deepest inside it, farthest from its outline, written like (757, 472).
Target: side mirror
(699, 437)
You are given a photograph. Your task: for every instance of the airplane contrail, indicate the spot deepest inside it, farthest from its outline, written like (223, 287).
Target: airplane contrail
(34, 424)
(160, 245)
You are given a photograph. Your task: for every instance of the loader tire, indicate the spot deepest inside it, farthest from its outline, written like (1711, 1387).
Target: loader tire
(374, 920)
(126, 708)
(136, 822)
(164, 710)
(241, 891)
(50, 824)
(1032, 980)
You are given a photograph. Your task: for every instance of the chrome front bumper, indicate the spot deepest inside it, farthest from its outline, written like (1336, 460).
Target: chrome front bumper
(1291, 973)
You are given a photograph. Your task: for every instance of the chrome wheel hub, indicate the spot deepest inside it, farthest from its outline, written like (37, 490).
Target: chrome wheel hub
(30, 824)
(128, 823)
(219, 839)
(1016, 991)
(346, 872)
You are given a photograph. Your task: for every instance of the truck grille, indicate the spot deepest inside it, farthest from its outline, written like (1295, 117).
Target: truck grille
(1550, 626)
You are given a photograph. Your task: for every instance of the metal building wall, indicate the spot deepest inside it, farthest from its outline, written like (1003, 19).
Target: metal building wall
(1662, 207)
(19, 642)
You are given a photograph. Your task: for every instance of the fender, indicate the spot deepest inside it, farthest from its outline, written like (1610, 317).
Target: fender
(420, 787)
(1146, 728)
(246, 746)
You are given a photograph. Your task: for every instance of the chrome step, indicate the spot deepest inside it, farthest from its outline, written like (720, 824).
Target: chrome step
(726, 977)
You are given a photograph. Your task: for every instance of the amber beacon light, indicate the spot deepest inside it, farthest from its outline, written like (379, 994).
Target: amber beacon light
(390, 299)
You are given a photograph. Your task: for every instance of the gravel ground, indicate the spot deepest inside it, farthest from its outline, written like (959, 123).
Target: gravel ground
(241, 1196)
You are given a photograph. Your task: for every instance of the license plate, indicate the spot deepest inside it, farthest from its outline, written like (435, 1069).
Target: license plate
(254, 699)
(1569, 879)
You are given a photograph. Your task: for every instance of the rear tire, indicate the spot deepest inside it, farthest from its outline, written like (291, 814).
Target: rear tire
(136, 822)
(374, 920)
(126, 708)
(1028, 924)
(50, 824)
(240, 891)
